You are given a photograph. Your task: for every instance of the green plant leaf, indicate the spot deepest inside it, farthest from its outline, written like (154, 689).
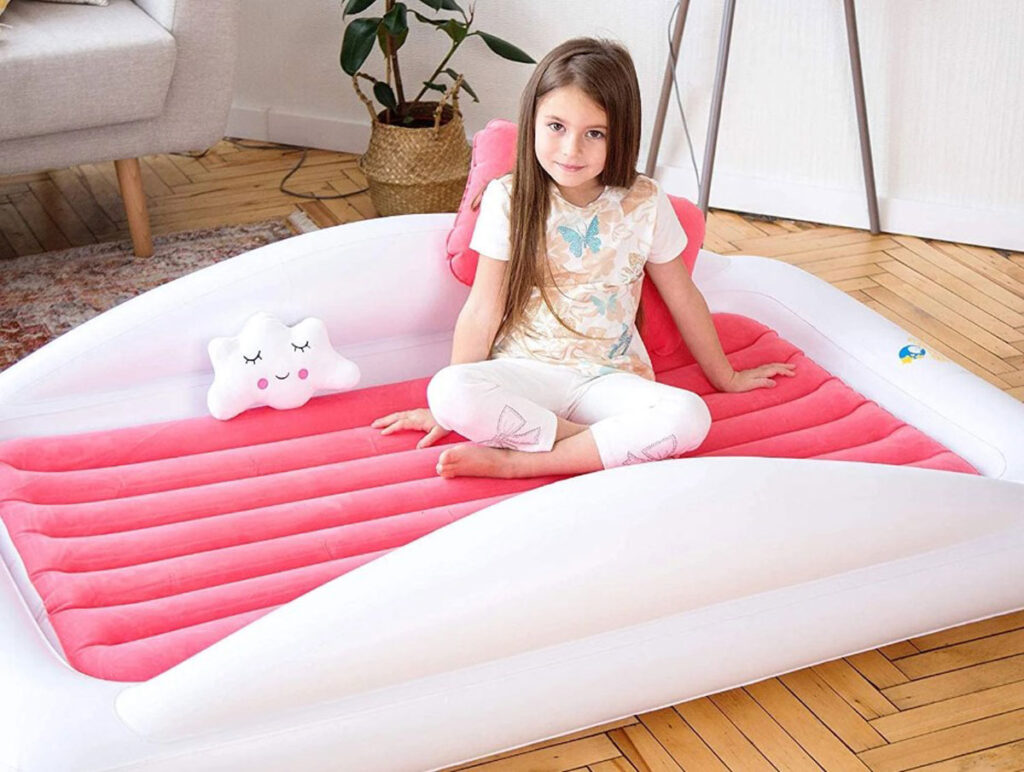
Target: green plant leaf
(443, 5)
(385, 95)
(505, 49)
(428, 20)
(383, 35)
(456, 30)
(356, 6)
(435, 87)
(465, 86)
(357, 43)
(396, 21)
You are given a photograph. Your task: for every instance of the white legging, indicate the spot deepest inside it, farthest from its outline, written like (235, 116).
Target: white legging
(513, 403)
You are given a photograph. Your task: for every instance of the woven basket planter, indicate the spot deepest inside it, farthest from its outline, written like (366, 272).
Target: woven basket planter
(417, 169)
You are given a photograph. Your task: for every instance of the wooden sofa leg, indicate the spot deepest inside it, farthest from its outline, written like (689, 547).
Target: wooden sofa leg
(129, 177)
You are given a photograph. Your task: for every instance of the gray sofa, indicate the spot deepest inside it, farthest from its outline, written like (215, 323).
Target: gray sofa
(86, 84)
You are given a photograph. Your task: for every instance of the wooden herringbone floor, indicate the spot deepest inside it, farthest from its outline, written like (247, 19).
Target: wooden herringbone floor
(949, 701)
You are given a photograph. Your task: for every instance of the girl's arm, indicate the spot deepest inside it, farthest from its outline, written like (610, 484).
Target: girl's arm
(480, 316)
(690, 313)
(475, 329)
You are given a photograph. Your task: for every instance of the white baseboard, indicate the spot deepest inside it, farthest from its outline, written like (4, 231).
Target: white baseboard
(984, 227)
(267, 124)
(849, 208)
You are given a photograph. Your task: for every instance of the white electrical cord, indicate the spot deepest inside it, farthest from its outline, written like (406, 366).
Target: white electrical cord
(675, 89)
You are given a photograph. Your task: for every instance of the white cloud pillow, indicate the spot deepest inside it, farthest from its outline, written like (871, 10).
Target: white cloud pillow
(269, 363)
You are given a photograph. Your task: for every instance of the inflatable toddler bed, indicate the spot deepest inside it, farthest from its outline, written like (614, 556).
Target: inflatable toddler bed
(290, 589)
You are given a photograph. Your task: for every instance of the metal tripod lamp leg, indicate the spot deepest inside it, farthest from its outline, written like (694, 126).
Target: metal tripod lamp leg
(715, 117)
(716, 105)
(862, 116)
(666, 88)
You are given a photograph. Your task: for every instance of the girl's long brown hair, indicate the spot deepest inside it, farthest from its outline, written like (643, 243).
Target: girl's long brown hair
(604, 71)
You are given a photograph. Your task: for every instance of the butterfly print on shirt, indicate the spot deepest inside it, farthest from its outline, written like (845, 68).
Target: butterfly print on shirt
(605, 306)
(578, 239)
(622, 344)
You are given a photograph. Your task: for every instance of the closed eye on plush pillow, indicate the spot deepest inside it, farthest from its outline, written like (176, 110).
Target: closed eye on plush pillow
(270, 363)
(494, 154)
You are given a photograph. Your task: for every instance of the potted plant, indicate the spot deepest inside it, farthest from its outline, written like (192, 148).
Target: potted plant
(418, 157)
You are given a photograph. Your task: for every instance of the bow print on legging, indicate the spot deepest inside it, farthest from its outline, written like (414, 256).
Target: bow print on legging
(656, 451)
(510, 431)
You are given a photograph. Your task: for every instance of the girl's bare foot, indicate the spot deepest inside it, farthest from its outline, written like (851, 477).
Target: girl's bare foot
(475, 461)
(574, 454)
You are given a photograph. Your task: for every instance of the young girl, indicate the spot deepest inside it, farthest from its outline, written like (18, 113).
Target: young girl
(548, 373)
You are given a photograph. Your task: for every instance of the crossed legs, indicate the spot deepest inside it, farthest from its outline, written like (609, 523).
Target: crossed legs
(530, 419)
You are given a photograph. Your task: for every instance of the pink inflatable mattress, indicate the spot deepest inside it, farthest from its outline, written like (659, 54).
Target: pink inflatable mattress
(150, 543)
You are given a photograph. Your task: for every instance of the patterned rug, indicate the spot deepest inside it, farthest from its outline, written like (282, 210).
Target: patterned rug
(45, 295)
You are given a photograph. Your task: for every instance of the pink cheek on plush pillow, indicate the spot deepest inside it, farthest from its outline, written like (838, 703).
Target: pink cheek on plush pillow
(269, 351)
(494, 155)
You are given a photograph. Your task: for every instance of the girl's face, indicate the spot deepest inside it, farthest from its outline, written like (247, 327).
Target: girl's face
(571, 142)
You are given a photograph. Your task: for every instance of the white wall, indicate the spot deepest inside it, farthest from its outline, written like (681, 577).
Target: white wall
(944, 82)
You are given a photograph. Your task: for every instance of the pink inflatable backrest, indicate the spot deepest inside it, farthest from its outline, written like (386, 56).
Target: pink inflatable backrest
(494, 154)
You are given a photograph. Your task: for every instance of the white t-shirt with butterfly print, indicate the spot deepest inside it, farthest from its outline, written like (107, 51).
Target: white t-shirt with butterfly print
(596, 254)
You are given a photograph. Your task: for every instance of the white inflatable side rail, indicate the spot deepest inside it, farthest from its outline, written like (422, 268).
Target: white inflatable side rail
(382, 287)
(579, 560)
(680, 578)
(950, 404)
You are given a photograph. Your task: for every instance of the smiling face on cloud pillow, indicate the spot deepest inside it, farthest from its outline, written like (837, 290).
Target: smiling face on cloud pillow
(269, 363)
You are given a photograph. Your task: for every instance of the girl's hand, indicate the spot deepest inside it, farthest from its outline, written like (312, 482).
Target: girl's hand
(420, 419)
(758, 377)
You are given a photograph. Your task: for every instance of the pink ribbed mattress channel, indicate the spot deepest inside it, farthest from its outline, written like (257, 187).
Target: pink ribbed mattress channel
(149, 544)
